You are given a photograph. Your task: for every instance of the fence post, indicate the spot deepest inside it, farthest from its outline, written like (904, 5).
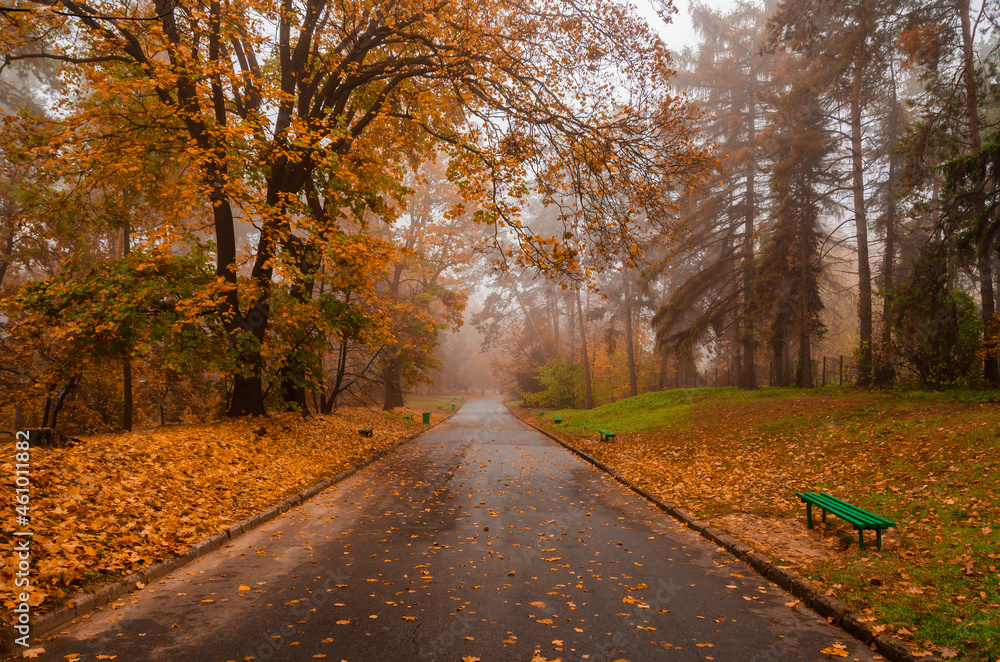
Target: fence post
(824, 370)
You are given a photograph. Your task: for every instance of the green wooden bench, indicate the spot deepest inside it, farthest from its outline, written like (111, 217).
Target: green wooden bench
(861, 519)
(407, 417)
(366, 432)
(607, 435)
(557, 420)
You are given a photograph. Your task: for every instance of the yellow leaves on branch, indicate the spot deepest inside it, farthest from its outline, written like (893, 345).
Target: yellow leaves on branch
(117, 503)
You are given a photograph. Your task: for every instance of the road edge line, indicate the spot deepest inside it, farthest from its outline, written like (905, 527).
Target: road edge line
(833, 610)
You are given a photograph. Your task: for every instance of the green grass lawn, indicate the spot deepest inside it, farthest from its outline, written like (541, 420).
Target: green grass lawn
(928, 461)
(434, 402)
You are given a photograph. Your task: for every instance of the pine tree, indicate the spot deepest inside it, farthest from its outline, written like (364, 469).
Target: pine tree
(787, 294)
(845, 41)
(729, 74)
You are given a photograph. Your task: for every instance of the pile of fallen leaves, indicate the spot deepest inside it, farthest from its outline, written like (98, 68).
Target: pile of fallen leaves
(116, 503)
(931, 467)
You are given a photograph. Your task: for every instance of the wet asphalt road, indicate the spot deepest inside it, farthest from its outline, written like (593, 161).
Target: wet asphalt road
(482, 539)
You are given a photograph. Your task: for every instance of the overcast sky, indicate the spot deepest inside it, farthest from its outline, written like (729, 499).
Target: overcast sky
(679, 32)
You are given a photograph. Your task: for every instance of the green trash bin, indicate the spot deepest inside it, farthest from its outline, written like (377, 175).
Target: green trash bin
(453, 406)
(427, 418)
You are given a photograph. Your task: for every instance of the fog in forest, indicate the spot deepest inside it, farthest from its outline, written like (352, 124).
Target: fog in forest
(799, 193)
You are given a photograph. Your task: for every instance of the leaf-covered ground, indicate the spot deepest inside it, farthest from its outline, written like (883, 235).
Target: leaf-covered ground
(117, 503)
(929, 462)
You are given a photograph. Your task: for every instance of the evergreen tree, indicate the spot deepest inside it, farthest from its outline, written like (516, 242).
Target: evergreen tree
(729, 74)
(958, 106)
(787, 291)
(845, 43)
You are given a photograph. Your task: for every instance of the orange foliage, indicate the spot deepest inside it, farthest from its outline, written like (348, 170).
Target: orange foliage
(299, 117)
(117, 503)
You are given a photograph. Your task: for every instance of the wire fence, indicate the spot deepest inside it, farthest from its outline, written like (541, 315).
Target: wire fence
(826, 371)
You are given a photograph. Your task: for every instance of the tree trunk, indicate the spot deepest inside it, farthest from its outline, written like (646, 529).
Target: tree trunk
(328, 404)
(543, 342)
(392, 374)
(60, 400)
(127, 401)
(664, 364)
(248, 396)
(885, 373)
(554, 308)
(803, 376)
(572, 332)
(293, 389)
(629, 338)
(294, 372)
(589, 393)
(861, 224)
(991, 371)
(8, 250)
(747, 377)
(778, 361)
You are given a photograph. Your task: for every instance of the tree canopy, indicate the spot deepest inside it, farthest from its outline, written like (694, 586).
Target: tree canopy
(277, 122)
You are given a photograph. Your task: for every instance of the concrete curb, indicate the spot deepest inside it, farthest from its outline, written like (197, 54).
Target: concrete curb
(82, 604)
(833, 610)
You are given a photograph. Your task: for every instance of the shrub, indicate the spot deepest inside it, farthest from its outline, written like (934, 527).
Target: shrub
(562, 383)
(938, 331)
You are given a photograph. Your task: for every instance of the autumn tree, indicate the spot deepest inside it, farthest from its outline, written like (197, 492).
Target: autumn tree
(254, 98)
(22, 91)
(62, 211)
(512, 321)
(421, 292)
(125, 307)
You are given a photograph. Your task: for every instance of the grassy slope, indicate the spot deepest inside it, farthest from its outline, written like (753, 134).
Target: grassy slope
(927, 461)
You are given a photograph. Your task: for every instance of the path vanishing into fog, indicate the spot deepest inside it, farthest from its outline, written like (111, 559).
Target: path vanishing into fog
(481, 538)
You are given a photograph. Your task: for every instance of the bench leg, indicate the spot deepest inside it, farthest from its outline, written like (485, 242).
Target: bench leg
(809, 515)
(824, 515)
(878, 538)
(861, 538)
